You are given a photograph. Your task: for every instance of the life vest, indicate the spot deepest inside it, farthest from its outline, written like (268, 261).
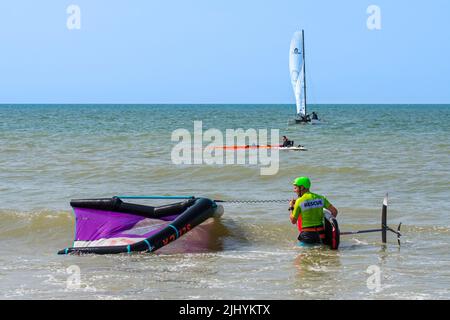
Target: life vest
(309, 211)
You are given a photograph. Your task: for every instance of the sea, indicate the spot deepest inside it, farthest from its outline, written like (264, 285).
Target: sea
(50, 154)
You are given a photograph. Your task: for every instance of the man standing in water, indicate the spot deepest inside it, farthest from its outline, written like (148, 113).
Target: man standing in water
(307, 212)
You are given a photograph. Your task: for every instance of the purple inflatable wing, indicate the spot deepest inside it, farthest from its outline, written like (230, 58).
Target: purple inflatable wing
(98, 228)
(109, 225)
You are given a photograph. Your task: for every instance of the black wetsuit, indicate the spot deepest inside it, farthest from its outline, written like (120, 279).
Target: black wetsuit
(310, 237)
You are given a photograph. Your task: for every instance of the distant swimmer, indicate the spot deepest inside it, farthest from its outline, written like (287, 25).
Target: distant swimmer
(314, 116)
(307, 212)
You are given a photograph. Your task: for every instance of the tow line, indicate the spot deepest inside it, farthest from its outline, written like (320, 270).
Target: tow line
(384, 227)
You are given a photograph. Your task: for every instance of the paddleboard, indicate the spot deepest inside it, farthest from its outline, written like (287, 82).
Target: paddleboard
(299, 148)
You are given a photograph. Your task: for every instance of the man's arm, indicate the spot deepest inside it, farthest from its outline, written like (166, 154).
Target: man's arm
(330, 207)
(295, 212)
(333, 210)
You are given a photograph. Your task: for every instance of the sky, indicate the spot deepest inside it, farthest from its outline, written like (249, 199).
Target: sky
(222, 51)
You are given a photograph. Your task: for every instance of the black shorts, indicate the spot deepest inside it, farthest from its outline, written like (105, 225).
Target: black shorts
(309, 237)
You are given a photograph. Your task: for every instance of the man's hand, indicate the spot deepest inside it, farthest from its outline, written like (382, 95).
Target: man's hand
(293, 220)
(291, 208)
(292, 203)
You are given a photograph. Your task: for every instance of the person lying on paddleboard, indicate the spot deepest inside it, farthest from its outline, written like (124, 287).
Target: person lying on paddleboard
(287, 142)
(307, 212)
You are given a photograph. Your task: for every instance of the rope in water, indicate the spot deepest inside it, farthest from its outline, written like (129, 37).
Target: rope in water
(192, 197)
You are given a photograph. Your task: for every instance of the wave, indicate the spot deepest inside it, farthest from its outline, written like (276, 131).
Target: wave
(15, 224)
(55, 229)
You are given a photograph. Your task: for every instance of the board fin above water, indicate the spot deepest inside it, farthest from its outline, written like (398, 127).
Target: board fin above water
(384, 227)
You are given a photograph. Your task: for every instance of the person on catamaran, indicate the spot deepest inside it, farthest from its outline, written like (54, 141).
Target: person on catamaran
(307, 212)
(314, 116)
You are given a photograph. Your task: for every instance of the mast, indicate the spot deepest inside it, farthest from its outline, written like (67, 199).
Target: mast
(304, 67)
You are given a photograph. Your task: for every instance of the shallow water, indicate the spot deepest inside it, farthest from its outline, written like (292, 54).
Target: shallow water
(50, 154)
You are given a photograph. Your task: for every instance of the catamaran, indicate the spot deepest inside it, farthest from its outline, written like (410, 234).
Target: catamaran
(297, 68)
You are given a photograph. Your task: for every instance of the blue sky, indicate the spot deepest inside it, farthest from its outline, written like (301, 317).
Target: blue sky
(223, 51)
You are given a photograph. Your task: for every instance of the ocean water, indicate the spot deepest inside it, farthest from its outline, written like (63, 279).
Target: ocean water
(50, 154)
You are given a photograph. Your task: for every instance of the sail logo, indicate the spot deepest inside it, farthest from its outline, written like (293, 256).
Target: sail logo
(296, 51)
(241, 147)
(173, 237)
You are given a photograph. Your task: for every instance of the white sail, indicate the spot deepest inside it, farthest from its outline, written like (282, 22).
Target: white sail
(296, 68)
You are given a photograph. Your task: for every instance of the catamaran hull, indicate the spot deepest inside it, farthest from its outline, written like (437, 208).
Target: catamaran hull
(302, 122)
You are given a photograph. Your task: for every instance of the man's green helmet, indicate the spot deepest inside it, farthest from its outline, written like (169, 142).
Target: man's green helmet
(302, 181)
